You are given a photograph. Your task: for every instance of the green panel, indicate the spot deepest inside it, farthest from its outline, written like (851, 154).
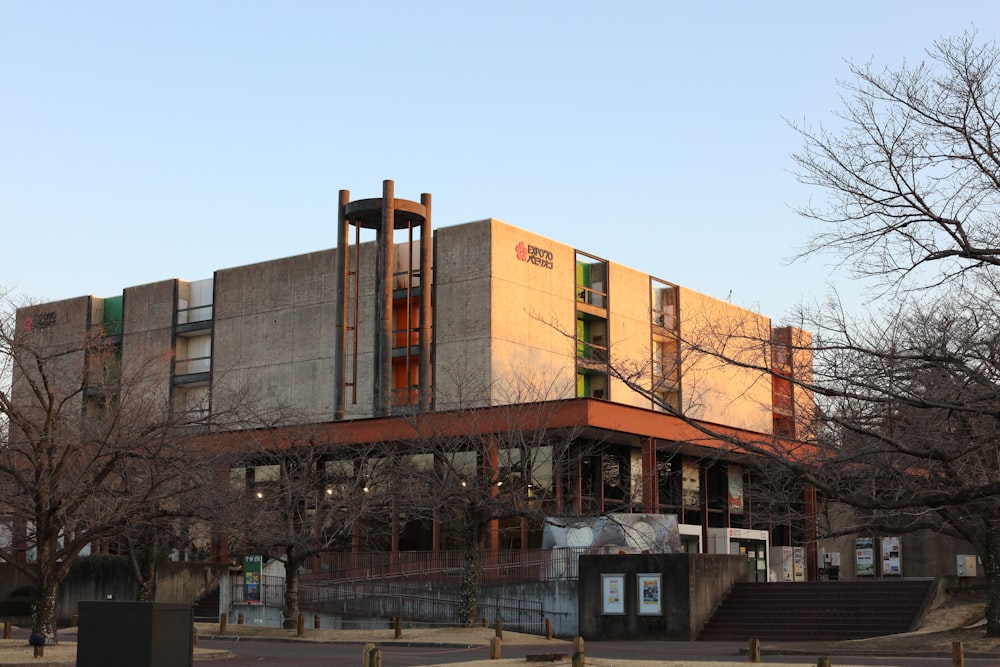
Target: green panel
(583, 274)
(582, 385)
(113, 316)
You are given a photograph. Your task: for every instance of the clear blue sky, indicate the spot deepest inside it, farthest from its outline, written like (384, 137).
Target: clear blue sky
(141, 141)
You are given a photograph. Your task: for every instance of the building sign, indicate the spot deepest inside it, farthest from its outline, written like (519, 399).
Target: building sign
(40, 321)
(863, 557)
(650, 592)
(534, 255)
(612, 593)
(890, 557)
(252, 589)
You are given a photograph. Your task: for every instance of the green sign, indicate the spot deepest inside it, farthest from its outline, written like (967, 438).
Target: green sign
(252, 589)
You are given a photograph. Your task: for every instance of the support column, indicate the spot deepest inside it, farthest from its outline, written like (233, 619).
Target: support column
(650, 482)
(340, 320)
(426, 287)
(383, 304)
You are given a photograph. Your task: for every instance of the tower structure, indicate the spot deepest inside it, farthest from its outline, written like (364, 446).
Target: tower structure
(402, 279)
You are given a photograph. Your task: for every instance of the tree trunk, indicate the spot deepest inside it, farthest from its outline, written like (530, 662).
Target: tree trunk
(991, 570)
(291, 602)
(472, 568)
(44, 611)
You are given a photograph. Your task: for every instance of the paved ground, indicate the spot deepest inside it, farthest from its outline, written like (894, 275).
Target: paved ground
(955, 621)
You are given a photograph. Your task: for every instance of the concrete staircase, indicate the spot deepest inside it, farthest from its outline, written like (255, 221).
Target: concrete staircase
(827, 610)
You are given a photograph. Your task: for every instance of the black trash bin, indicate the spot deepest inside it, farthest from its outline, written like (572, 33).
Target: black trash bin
(135, 634)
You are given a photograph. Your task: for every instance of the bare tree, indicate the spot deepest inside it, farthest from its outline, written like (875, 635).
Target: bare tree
(295, 494)
(910, 413)
(89, 448)
(499, 469)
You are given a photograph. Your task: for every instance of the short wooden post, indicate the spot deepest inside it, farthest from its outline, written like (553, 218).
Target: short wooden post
(7, 629)
(578, 656)
(74, 620)
(957, 654)
(300, 625)
(548, 628)
(366, 652)
(39, 651)
(375, 657)
(239, 618)
(397, 627)
(485, 622)
(499, 627)
(495, 648)
(316, 622)
(754, 650)
(223, 620)
(824, 661)
(194, 636)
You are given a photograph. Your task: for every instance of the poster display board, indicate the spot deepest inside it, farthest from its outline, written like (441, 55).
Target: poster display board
(650, 594)
(612, 593)
(252, 588)
(890, 557)
(864, 559)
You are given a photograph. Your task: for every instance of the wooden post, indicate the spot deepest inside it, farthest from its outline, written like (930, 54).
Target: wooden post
(300, 625)
(397, 627)
(74, 620)
(485, 623)
(957, 654)
(194, 636)
(375, 657)
(6, 629)
(366, 652)
(495, 648)
(39, 651)
(223, 620)
(578, 656)
(239, 618)
(754, 650)
(499, 628)
(548, 628)
(824, 661)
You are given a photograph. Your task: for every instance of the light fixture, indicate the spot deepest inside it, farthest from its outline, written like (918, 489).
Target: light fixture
(260, 495)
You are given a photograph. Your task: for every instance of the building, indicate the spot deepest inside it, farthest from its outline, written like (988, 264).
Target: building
(361, 336)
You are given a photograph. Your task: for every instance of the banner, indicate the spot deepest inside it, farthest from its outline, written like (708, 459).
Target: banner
(252, 590)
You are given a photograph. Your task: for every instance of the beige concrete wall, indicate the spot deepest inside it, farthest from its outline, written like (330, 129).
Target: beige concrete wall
(532, 316)
(462, 314)
(629, 336)
(713, 332)
(273, 337)
(46, 329)
(148, 313)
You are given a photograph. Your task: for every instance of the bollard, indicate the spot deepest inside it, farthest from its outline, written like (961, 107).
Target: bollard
(366, 651)
(39, 651)
(397, 627)
(499, 627)
(548, 628)
(375, 658)
(485, 624)
(223, 619)
(578, 657)
(824, 661)
(957, 654)
(239, 619)
(300, 625)
(316, 622)
(495, 648)
(74, 619)
(194, 636)
(6, 630)
(754, 650)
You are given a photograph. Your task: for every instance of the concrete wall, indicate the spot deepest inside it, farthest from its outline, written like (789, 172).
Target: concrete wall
(148, 313)
(630, 334)
(712, 389)
(532, 317)
(273, 332)
(692, 585)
